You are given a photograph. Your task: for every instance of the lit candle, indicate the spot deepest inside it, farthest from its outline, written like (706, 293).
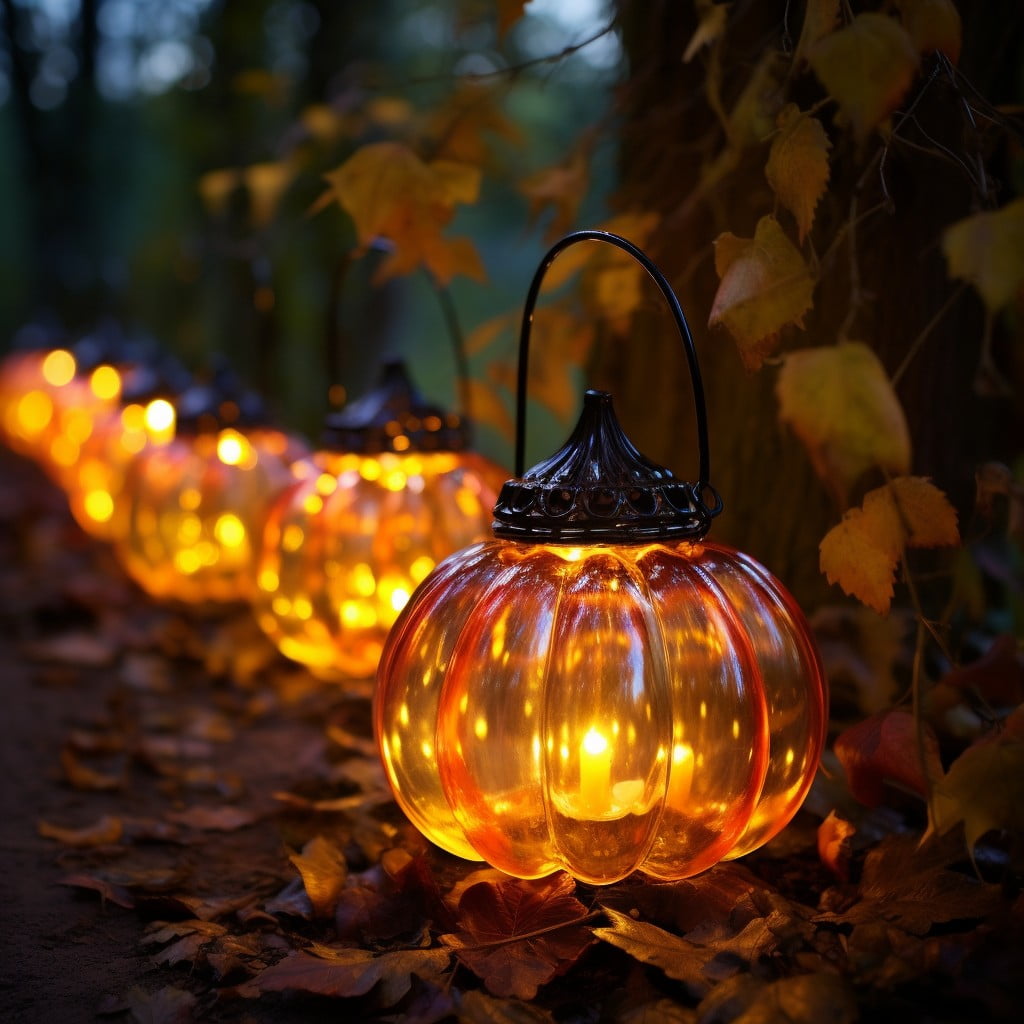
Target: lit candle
(680, 779)
(595, 774)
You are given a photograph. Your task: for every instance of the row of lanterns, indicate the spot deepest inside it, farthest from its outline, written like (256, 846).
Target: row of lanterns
(597, 688)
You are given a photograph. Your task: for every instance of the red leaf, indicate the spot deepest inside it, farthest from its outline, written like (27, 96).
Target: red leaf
(833, 845)
(884, 749)
(998, 675)
(517, 935)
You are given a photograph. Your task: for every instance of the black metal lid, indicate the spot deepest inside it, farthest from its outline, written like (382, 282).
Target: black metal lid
(598, 487)
(220, 402)
(394, 417)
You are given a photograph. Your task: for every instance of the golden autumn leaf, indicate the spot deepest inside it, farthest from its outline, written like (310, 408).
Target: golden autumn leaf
(463, 126)
(842, 407)
(390, 193)
(867, 68)
(266, 183)
(710, 26)
(323, 872)
(486, 406)
(764, 285)
(561, 187)
(797, 167)
(987, 249)
(820, 18)
(861, 552)
(216, 187)
(933, 25)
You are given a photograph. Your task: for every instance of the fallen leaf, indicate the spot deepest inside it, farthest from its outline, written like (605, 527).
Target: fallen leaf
(164, 1006)
(104, 832)
(834, 836)
(663, 1011)
(797, 167)
(479, 1008)
(323, 870)
(82, 776)
(867, 68)
(841, 405)
(885, 749)
(517, 935)
(350, 972)
(679, 959)
(987, 250)
(804, 999)
(764, 285)
(933, 25)
(224, 818)
(108, 891)
(983, 789)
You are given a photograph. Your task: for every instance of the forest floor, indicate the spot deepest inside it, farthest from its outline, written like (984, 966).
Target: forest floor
(191, 828)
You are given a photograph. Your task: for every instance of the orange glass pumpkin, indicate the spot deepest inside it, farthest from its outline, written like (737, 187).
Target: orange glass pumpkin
(392, 492)
(599, 689)
(197, 505)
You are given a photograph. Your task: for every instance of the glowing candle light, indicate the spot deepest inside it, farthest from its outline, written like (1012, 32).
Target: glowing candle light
(595, 774)
(680, 780)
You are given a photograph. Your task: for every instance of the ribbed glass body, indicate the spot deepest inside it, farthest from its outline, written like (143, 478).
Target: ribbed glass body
(347, 544)
(196, 510)
(600, 709)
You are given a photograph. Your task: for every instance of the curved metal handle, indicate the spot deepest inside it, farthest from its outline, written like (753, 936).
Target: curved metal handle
(703, 480)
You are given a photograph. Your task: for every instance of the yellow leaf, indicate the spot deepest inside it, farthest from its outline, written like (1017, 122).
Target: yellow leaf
(840, 403)
(853, 555)
(561, 187)
(797, 168)
(984, 789)
(710, 27)
(323, 872)
(391, 193)
(215, 188)
(463, 126)
(933, 25)
(486, 406)
(861, 553)
(765, 286)
(919, 511)
(987, 250)
(866, 67)
(266, 184)
(820, 18)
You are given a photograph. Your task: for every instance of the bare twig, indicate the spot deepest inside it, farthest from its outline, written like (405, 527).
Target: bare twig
(922, 336)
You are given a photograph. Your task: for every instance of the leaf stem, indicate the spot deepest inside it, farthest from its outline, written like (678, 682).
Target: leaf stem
(922, 336)
(534, 934)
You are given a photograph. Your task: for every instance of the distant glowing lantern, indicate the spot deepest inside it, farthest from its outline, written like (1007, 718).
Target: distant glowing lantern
(393, 491)
(196, 505)
(599, 689)
(145, 416)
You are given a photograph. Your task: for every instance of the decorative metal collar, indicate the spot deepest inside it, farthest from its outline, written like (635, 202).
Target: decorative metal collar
(598, 487)
(394, 417)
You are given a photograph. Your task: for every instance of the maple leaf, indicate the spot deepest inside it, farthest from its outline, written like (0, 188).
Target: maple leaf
(885, 749)
(797, 167)
(389, 192)
(834, 836)
(517, 935)
(984, 788)
(764, 285)
(350, 972)
(323, 870)
(987, 249)
(933, 25)
(861, 552)
(867, 68)
(820, 18)
(562, 187)
(841, 405)
(462, 127)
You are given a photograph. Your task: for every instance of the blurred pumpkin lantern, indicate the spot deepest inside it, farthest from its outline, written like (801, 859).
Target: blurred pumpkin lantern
(196, 505)
(599, 689)
(145, 416)
(393, 490)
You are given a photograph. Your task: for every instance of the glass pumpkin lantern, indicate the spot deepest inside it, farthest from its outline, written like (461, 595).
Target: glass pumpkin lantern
(196, 506)
(599, 688)
(393, 490)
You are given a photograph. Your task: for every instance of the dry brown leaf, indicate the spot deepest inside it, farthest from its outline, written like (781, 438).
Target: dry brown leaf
(101, 833)
(764, 285)
(834, 836)
(840, 403)
(867, 68)
(797, 167)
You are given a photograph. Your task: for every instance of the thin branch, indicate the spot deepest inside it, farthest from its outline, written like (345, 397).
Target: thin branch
(455, 333)
(534, 934)
(922, 336)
